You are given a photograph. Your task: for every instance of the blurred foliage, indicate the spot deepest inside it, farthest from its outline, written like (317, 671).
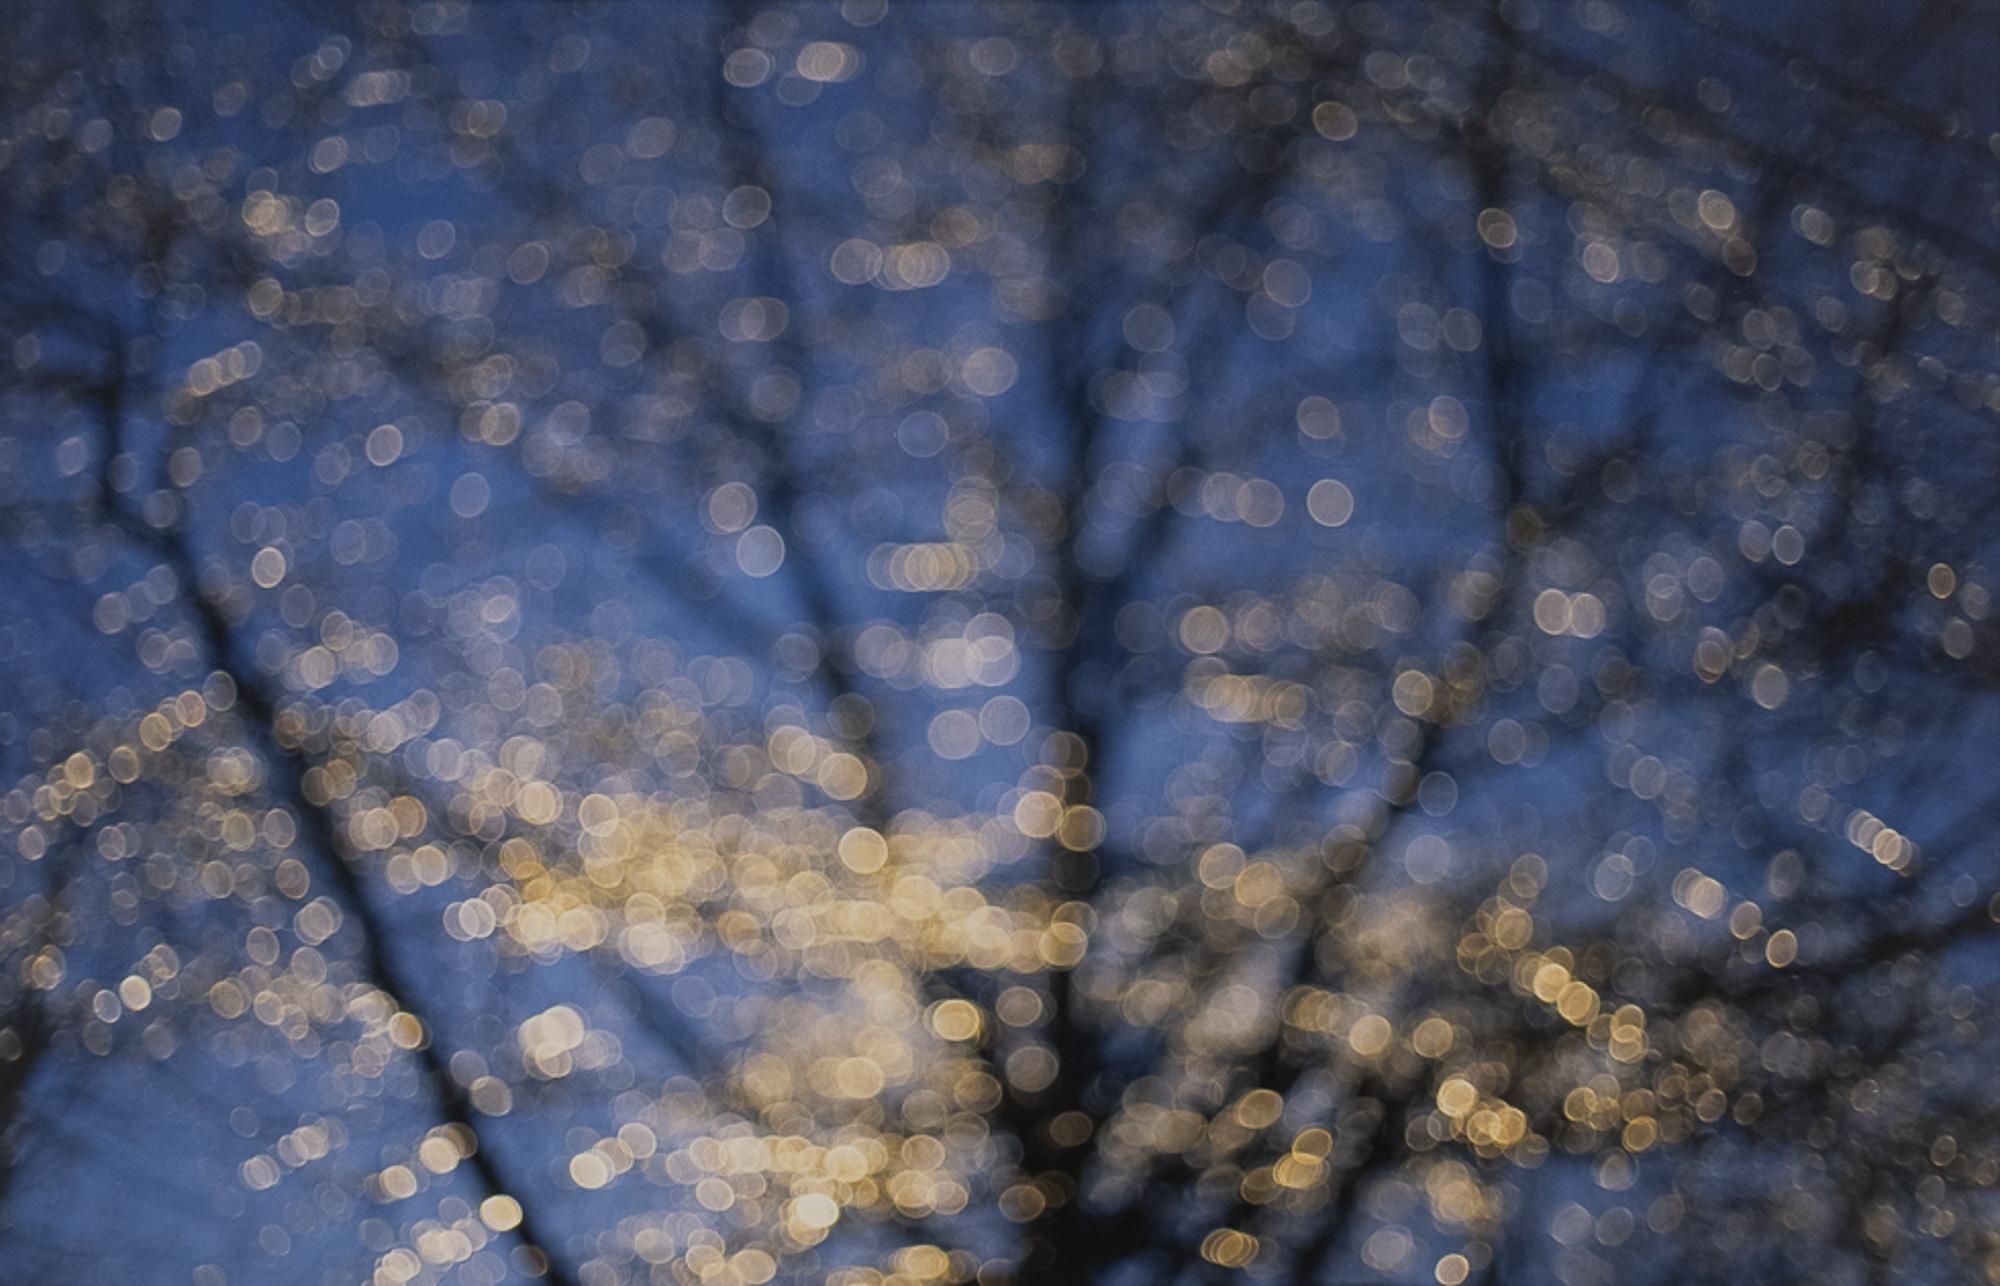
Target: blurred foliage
(887, 643)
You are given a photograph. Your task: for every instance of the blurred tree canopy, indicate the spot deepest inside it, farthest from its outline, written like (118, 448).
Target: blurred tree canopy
(887, 642)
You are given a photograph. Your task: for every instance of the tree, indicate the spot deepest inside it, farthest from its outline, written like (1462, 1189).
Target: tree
(872, 643)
